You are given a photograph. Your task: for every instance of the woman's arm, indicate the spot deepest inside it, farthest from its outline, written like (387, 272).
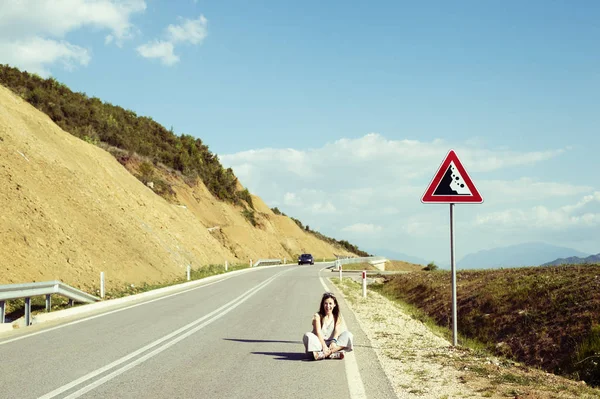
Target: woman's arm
(339, 328)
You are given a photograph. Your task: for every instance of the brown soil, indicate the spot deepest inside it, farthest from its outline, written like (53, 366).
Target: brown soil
(402, 266)
(70, 211)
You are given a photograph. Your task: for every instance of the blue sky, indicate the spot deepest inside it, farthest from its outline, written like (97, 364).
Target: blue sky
(339, 113)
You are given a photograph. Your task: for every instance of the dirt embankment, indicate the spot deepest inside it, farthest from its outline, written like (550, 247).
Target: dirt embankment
(543, 316)
(421, 364)
(70, 211)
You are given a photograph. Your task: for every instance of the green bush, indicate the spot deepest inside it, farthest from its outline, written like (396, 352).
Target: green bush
(146, 172)
(249, 215)
(431, 267)
(278, 212)
(587, 358)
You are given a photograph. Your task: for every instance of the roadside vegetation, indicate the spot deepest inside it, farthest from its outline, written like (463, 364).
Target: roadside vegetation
(422, 367)
(546, 317)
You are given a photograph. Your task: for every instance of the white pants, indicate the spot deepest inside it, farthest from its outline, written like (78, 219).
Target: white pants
(312, 343)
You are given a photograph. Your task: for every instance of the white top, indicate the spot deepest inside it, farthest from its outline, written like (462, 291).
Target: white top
(328, 327)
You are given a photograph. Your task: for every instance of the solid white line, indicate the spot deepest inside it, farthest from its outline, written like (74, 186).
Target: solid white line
(111, 312)
(214, 315)
(322, 281)
(355, 382)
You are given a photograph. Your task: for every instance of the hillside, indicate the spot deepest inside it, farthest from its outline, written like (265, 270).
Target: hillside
(575, 260)
(543, 316)
(71, 210)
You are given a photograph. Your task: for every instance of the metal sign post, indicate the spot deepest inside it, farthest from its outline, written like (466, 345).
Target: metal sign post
(453, 269)
(450, 185)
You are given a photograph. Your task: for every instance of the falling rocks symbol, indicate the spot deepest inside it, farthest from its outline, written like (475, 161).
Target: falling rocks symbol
(445, 186)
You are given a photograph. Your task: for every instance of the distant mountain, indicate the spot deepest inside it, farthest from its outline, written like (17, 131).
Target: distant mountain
(393, 255)
(527, 254)
(574, 260)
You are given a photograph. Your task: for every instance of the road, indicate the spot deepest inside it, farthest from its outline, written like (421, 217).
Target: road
(237, 337)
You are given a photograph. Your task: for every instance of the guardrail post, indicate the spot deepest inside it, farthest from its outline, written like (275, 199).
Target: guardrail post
(284, 260)
(102, 285)
(2, 311)
(27, 311)
(225, 265)
(340, 269)
(364, 283)
(188, 273)
(250, 262)
(71, 302)
(48, 302)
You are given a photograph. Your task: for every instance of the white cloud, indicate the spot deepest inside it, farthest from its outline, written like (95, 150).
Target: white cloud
(291, 199)
(375, 159)
(362, 228)
(160, 50)
(353, 185)
(588, 199)
(326, 207)
(286, 160)
(34, 53)
(33, 32)
(389, 210)
(526, 188)
(585, 213)
(192, 31)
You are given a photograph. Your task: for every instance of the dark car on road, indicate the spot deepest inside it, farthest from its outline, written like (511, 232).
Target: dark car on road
(306, 258)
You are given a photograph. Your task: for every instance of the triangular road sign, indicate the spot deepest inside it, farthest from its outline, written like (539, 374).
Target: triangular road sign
(451, 184)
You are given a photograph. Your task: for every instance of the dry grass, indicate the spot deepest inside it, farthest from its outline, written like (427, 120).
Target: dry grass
(402, 266)
(420, 364)
(545, 317)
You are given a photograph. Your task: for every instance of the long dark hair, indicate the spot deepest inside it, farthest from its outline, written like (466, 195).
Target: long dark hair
(336, 309)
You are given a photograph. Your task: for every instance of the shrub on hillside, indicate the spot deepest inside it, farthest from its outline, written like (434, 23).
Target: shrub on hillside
(587, 358)
(146, 172)
(249, 215)
(278, 212)
(431, 267)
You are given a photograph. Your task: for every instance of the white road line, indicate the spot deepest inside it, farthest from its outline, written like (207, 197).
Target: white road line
(355, 383)
(111, 312)
(214, 315)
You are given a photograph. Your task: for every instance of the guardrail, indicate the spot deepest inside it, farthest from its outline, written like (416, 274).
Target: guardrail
(47, 288)
(267, 262)
(377, 261)
(366, 259)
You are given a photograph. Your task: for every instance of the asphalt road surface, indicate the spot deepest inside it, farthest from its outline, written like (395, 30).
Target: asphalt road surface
(238, 337)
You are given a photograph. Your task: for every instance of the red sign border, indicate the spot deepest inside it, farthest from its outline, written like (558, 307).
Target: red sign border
(429, 198)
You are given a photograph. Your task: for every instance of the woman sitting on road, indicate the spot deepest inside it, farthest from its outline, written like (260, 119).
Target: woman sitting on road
(329, 336)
